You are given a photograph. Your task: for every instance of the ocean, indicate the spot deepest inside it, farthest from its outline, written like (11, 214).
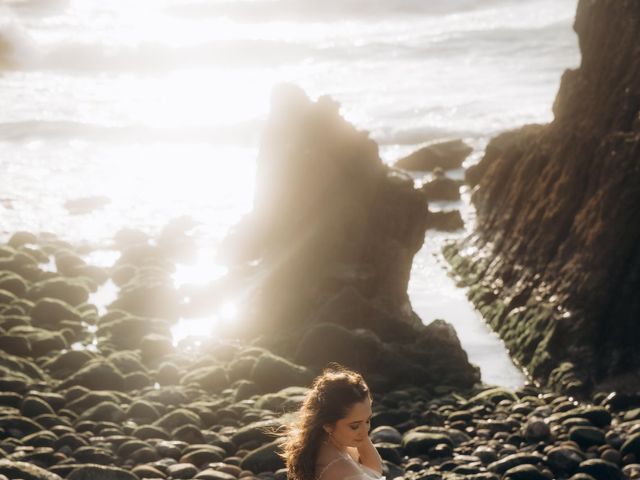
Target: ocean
(156, 106)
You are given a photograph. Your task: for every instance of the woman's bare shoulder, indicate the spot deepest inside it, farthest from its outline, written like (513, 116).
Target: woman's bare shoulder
(338, 469)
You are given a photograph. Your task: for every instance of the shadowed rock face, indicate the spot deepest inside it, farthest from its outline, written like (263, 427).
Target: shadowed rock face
(556, 268)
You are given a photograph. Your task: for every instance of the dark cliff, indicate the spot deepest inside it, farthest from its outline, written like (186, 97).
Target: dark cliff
(555, 262)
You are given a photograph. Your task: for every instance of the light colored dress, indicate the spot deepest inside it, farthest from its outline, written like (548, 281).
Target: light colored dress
(345, 462)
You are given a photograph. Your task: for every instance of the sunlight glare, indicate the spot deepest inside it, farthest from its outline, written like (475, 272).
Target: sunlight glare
(191, 329)
(203, 271)
(228, 312)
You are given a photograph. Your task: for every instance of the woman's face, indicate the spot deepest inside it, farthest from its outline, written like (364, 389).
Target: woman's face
(351, 430)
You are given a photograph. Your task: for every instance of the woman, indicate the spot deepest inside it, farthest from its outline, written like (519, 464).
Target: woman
(331, 440)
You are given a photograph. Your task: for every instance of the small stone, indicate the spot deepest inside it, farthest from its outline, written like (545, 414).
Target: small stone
(212, 379)
(17, 426)
(15, 345)
(154, 346)
(189, 434)
(441, 450)
(168, 374)
(100, 472)
(104, 412)
(632, 470)
(94, 455)
(513, 460)
(34, 406)
(265, 458)
(446, 155)
(563, 460)
(178, 418)
(587, 436)
(416, 442)
(182, 471)
(211, 474)
(71, 440)
(96, 375)
(127, 448)
(631, 445)
(21, 238)
(536, 429)
(24, 470)
(40, 439)
(486, 454)
(386, 434)
(142, 410)
(600, 469)
(611, 455)
(147, 471)
(50, 311)
(524, 472)
(204, 456)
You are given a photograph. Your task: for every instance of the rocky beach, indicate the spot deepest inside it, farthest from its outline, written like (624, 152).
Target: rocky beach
(318, 272)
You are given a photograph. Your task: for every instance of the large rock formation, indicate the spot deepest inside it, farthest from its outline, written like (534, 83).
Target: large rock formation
(330, 241)
(328, 215)
(555, 261)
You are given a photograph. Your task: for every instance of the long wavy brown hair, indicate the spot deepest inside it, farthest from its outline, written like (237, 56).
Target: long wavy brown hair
(330, 398)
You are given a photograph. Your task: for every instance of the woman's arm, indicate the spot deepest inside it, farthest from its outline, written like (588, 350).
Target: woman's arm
(369, 456)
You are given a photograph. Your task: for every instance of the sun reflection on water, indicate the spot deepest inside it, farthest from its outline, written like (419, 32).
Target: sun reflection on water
(204, 270)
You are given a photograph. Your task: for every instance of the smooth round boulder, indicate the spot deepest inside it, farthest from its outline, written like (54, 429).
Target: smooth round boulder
(508, 462)
(18, 427)
(386, 434)
(203, 455)
(100, 472)
(524, 472)
(181, 471)
(327, 342)
(147, 471)
(631, 445)
(104, 412)
(446, 155)
(72, 291)
(265, 458)
(15, 345)
(587, 436)
(564, 460)
(34, 406)
(273, 373)
(154, 346)
(21, 238)
(96, 375)
(213, 379)
(536, 429)
(416, 443)
(486, 454)
(600, 469)
(256, 432)
(142, 410)
(214, 474)
(13, 283)
(25, 471)
(178, 418)
(442, 189)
